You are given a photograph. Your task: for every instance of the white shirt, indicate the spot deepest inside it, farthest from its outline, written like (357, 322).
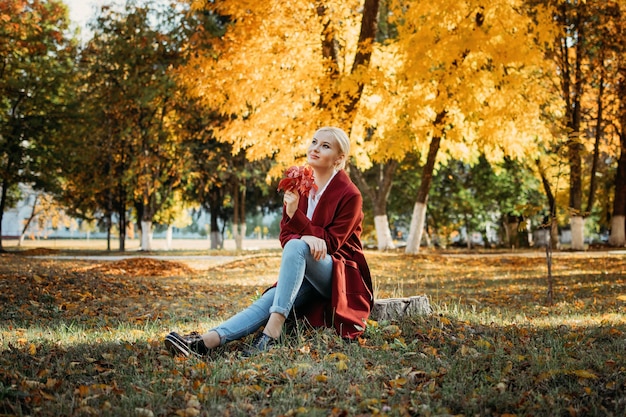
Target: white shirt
(314, 197)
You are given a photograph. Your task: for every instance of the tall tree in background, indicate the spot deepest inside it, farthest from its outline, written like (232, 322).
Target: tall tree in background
(468, 85)
(618, 218)
(586, 52)
(36, 68)
(132, 93)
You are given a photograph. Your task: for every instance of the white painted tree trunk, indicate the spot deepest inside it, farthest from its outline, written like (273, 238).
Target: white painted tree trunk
(618, 232)
(417, 228)
(168, 237)
(146, 235)
(239, 231)
(577, 224)
(216, 240)
(383, 234)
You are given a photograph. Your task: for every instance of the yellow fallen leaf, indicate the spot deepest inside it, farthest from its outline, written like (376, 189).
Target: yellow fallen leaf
(444, 320)
(32, 349)
(341, 365)
(337, 356)
(429, 350)
(547, 375)
(482, 343)
(398, 382)
(621, 297)
(584, 373)
(392, 331)
(256, 388)
(321, 378)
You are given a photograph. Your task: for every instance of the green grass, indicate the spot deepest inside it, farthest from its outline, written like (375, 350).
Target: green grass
(75, 342)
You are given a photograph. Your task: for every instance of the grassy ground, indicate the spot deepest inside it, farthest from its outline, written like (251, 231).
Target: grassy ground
(84, 337)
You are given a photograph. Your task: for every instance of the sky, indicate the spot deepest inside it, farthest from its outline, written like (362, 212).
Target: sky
(82, 10)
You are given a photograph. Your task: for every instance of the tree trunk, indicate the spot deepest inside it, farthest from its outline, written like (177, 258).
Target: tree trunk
(571, 89)
(123, 222)
(239, 215)
(598, 137)
(169, 237)
(217, 242)
(554, 234)
(577, 224)
(109, 224)
(512, 231)
(33, 213)
(416, 230)
(378, 196)
(554, 227)
(215, 211)
(617, 237)
(384, 239)
(419, 210)
(146, 235)
(618, 231)
(3, 199)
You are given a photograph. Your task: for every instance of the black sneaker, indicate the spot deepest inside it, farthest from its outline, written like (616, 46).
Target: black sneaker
(191, 344)
(260, 343)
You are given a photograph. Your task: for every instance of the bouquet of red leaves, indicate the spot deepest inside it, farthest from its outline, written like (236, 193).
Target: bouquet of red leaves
(298, 179)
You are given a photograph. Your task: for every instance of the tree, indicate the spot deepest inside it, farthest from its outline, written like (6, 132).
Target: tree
(585, 51)
(36, 67)
(468, 84)
(618, 222)
(129, 65)
(618, 218)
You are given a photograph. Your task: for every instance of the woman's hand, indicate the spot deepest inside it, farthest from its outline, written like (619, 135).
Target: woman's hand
(317, 245)
(290, 200)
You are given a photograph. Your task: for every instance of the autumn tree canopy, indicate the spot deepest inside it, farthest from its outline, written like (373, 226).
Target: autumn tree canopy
(36, 67)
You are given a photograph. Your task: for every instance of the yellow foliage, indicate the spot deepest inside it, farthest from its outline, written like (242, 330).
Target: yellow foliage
(479, 63)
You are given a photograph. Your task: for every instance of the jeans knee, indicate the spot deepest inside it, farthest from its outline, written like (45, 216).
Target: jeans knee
(296, 246)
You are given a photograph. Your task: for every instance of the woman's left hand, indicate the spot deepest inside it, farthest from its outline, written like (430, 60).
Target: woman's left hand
(317, 245)
(290, 200)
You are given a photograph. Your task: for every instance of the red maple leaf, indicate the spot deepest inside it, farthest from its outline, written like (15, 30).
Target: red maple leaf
(298, 178)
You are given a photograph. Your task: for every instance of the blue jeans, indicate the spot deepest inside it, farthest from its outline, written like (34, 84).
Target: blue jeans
(301, 279)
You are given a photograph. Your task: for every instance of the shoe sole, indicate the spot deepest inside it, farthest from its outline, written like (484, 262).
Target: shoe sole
(176, 346)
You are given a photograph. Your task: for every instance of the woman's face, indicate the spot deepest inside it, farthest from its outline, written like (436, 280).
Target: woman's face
(324, 151)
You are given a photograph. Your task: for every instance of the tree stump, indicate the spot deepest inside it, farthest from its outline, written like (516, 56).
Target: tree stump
(397, 308)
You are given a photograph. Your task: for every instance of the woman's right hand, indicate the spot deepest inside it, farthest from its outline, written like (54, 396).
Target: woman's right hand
(291, 200)
(317, 245)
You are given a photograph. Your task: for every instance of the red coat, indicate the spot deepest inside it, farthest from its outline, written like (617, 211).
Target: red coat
(337, 219)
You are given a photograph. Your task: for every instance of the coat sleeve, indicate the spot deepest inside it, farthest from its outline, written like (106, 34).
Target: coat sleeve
(342, 218)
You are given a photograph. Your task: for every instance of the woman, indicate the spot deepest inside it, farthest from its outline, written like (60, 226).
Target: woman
(323, 274)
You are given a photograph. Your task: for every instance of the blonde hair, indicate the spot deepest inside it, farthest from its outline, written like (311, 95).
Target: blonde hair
(342, 139)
